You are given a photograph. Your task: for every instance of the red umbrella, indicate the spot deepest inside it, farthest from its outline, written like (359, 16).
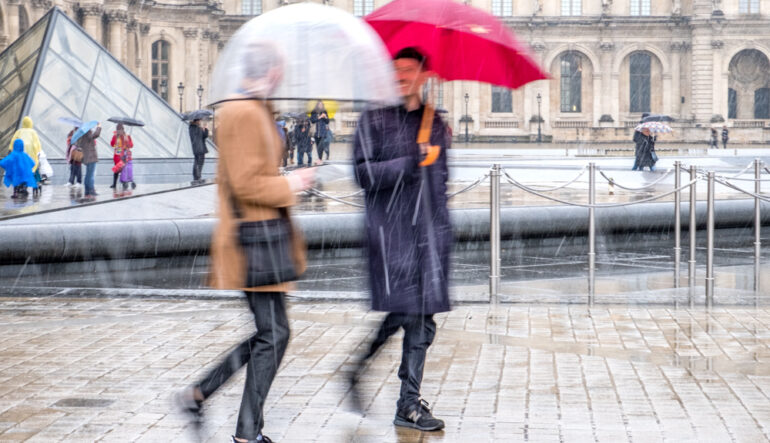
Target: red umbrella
(461, 42)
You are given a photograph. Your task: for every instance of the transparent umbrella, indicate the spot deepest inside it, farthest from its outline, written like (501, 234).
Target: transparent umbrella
(324, 52)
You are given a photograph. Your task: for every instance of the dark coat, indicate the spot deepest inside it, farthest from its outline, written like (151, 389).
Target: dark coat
(302, 138)
(321, 123)
(408, 234)
(645, 146)
(725, 135)
(198, 138)
(87, 144)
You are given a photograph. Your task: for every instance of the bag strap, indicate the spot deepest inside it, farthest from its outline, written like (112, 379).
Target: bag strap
(423, 136)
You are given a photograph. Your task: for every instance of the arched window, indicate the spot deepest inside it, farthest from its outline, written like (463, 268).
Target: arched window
(732, 103)
(762, 103)
(160, 57)
(639, 66)
(502, 99)
(502, 8)
(251, 7)
(362, 7)
(640, 7)
(571, 82)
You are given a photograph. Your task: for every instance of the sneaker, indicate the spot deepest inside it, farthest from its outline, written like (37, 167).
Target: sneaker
(191, 408)
(418, 417)
(260, 439)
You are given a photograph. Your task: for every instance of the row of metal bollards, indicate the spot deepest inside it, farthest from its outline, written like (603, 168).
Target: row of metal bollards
(494, 232)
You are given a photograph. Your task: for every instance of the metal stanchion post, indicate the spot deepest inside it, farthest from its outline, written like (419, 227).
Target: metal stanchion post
(710, 242)
(591, 232)
(757, 221)
(693, 231)
(494, 232)
(677, 221)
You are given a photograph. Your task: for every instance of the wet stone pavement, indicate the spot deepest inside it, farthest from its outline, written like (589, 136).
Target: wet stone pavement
(104, 370)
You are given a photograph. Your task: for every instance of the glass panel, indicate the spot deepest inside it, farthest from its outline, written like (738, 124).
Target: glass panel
(9, 117)
(639, 87)
(45, 111)
(117, 84)
(164, 121)
(29, 44)
(762, 103)
(571, 83)
(732, 103)
(64, 83)
(502, 100)
(164, 50)
(74, 47)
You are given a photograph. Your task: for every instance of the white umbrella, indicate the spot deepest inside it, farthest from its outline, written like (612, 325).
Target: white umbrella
(322, 53)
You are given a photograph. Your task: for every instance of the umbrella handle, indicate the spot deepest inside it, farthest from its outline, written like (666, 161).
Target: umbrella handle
(432, 155)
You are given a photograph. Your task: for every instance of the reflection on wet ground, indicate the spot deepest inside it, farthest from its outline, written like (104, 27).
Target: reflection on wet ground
(104, 370)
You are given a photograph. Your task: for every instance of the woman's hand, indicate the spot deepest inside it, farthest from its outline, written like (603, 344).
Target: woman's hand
(301, 179)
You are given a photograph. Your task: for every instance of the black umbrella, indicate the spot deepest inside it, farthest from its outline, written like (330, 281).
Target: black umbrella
(657, 118)
(294, 115)
(200, 114)
(128, 121)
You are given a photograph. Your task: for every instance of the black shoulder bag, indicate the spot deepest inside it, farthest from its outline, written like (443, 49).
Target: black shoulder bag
(266, 245)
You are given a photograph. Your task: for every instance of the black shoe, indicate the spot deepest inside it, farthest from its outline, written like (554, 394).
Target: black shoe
(260, 439)
(113, 186)
(192, 409)
(133, 185)
(418, 417)
(356, 400)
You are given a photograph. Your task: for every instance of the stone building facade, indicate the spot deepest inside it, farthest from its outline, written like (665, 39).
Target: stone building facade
(704, 62)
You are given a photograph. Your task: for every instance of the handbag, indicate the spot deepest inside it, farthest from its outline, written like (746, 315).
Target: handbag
(266, 245)
(76, 155)
(118, 166)
(654, 156)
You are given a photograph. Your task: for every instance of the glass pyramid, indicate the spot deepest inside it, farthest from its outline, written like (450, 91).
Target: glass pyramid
(55, 69)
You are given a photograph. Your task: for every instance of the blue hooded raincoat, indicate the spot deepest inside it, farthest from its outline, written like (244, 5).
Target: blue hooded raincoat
(18, 167)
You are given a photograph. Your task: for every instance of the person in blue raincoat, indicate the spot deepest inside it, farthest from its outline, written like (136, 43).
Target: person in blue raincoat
(18, 170)
(408, 233)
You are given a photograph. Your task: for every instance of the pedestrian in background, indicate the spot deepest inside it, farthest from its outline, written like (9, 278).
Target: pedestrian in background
(645, 150)
(119, 142)
(408, 234)
(18, 168)
(32, 147)
(127, 173)
(87, 144)
(304, 143)
(251, 189)
(198, 135)
(725, 136)
(714, 139)
(73, 159)
(320, 117)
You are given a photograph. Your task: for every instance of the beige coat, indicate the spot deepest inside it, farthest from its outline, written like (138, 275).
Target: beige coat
(249, 156)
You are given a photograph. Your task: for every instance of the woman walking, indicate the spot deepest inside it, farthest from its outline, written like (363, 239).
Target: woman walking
(87, 144)
(251, 189)
(73, 159)
(119, 142)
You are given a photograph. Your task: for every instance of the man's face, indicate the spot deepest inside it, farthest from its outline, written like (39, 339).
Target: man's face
(410, 76)
(646, 132)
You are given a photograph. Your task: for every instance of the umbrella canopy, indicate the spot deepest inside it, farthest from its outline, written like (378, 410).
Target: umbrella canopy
(82, 130)
(200, 114)
(126, 121)
(72, 121)
(654, 127)
(461, 42)
(305, 51)
(657, 118)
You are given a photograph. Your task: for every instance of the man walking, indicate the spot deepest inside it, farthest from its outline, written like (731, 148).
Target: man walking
(320, 117)
(725, 136)
(198, 136)
(408, 234)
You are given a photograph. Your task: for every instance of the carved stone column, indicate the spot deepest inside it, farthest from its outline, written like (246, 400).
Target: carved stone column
(40, 8)
(677, 48)
(190, 68)
(13, 18)
(603, 105)
(118, 19)
(143, 54)
(92, 20)
(205, 62)
(131, 46)
(720, 85)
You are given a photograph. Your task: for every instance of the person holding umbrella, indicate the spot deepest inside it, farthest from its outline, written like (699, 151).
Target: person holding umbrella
(408, 237)
(198, 135)
(251, 190)
(120, 142)
(85, 139)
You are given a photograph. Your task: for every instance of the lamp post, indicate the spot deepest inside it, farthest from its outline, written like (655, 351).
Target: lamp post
(180, 88)
(539, 118)
(200, 95)
(164, 89)
(466, 118)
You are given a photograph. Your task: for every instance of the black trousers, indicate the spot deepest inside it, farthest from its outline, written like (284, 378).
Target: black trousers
(262, 354)
(419, 332)
(76, 173)
(198, 166)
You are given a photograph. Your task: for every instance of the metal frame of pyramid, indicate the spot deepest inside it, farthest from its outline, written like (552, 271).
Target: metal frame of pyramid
(74, 76)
